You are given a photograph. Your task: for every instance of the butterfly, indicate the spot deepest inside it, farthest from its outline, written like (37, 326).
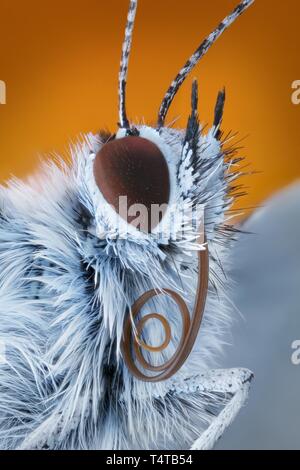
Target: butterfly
(136, 222)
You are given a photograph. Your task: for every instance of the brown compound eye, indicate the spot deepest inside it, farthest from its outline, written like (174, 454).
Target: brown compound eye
(134, 167)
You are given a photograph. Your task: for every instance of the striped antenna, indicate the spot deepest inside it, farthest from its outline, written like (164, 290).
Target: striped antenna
(194, 59)
(123, 121)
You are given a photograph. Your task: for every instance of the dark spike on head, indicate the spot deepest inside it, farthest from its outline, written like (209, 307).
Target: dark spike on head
(123, 120)
(219, 109)
(195, 96)
(194, 59)
(192, 131)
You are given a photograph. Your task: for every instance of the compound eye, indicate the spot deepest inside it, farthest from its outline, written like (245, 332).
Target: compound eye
(136, 168)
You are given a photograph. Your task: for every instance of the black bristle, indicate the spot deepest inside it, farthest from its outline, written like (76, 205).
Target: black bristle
(193, 128)
(219, 110)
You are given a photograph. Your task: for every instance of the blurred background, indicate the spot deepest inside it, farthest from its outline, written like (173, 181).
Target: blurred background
(266, 295)
(60, 62)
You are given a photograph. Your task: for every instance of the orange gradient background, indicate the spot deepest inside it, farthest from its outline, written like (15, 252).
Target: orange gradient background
(60, 62)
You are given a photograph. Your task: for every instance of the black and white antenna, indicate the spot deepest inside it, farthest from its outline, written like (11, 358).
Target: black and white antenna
(123, 120)
(194, 59)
